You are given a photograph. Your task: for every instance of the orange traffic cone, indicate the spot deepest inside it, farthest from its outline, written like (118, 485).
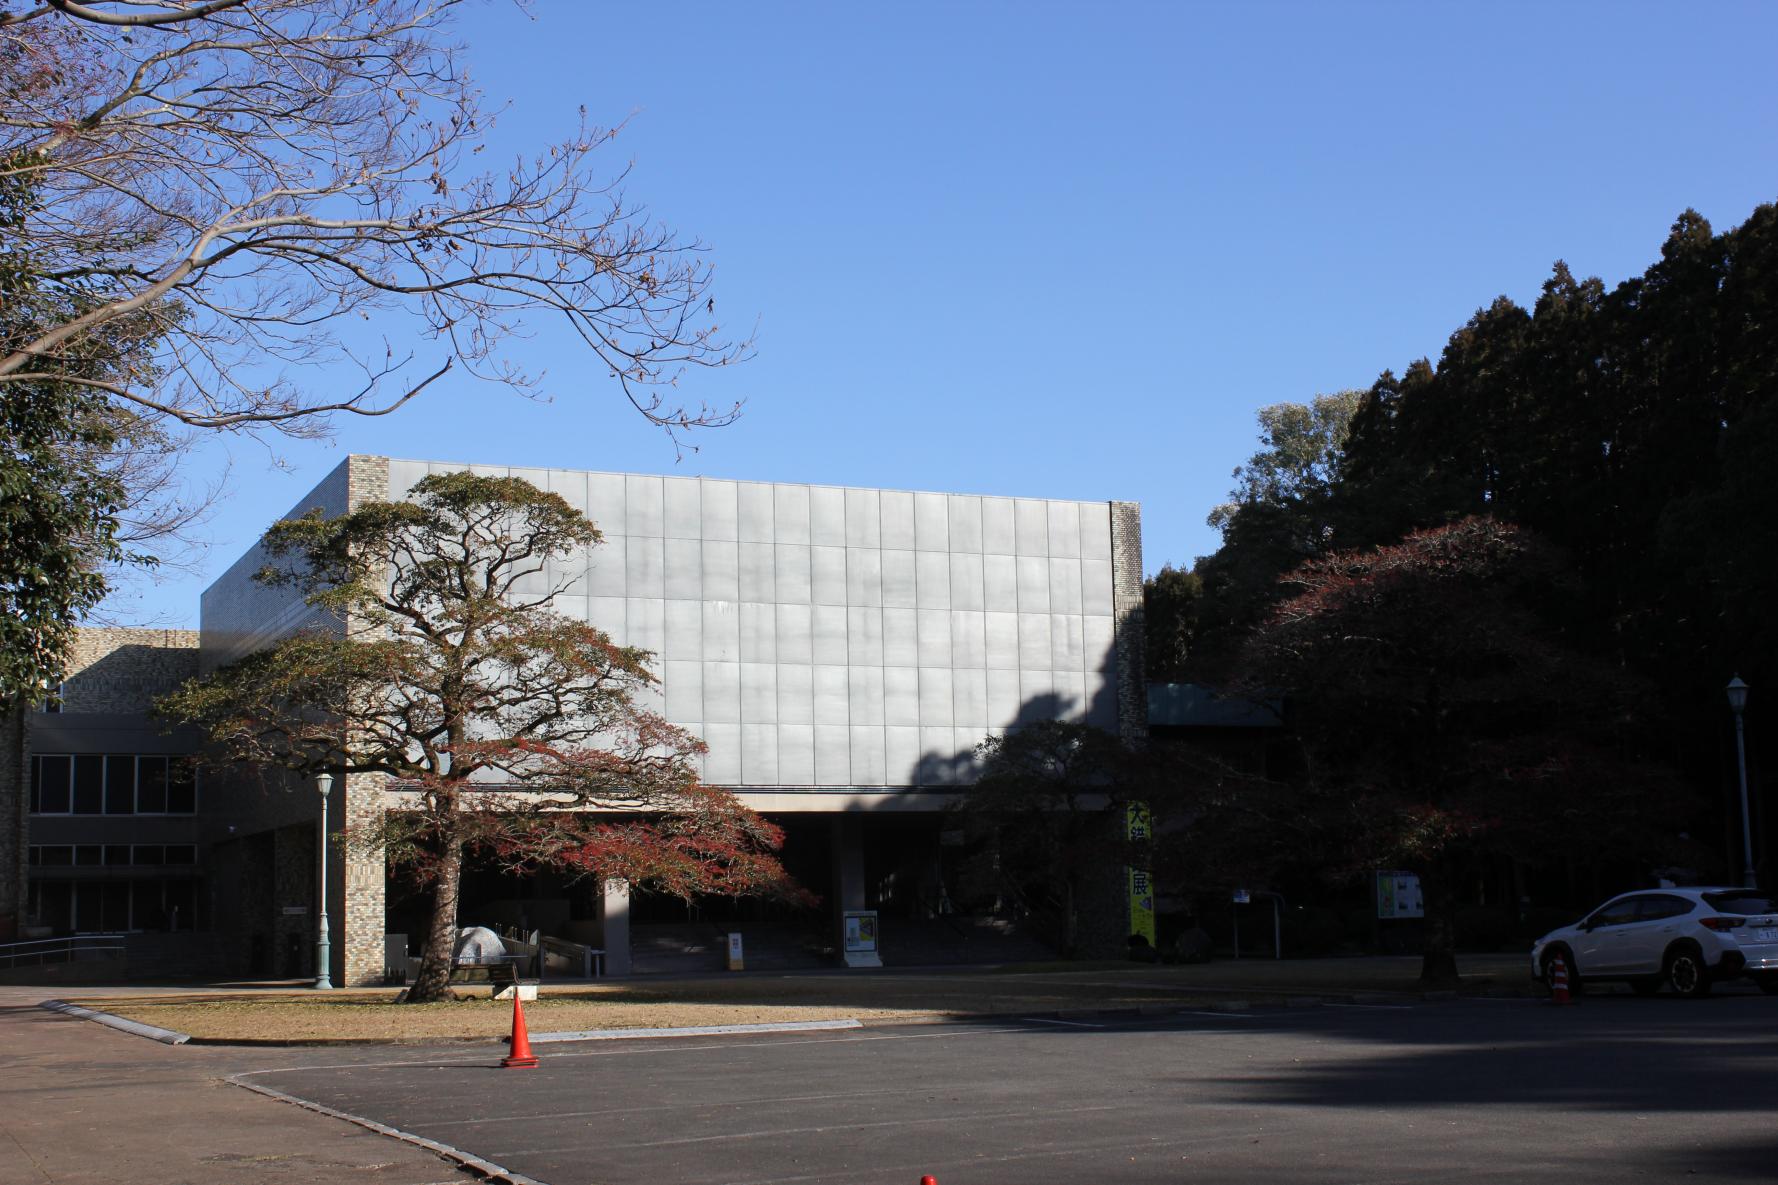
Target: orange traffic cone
(520, 1057)
(928, 1181)
(1559, 981)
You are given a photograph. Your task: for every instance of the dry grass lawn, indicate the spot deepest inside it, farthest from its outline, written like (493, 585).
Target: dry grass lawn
(373, 1014)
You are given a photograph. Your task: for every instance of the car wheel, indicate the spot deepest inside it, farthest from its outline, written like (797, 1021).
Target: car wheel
(1647, 986)
(1549, 963)
(1686, 971)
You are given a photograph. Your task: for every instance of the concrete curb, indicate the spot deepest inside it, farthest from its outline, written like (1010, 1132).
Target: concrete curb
(783, 1026)
(134, 1027)
(485, 1168)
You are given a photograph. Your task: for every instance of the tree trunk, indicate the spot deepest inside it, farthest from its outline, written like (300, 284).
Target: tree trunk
(1438, 961)
(434, 979)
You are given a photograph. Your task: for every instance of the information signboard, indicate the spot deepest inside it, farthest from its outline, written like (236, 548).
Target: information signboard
(1398, 896)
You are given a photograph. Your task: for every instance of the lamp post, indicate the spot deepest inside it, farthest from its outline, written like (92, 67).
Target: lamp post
(1737, 692)
(323, 952)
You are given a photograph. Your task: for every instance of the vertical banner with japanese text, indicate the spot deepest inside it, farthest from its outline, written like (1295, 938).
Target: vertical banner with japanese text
(1137, 823)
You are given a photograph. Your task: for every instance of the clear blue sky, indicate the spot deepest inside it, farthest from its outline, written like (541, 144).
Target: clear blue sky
(1068, 250)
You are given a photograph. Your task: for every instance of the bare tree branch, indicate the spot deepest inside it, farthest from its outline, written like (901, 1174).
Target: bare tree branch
(271, 172)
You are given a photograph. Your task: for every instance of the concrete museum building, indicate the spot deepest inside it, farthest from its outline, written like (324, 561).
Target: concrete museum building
(841, 651)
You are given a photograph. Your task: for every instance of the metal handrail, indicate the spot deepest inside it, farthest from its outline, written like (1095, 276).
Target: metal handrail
(66, 947)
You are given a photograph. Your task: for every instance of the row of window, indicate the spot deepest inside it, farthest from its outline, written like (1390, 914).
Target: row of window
(111, 855)
(112, 907)
(111, 784)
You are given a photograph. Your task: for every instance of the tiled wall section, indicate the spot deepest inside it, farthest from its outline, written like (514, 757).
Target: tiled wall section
(820, 636)
(123, 670)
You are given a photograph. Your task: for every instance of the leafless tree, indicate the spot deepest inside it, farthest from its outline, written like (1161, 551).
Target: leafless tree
(260, 176)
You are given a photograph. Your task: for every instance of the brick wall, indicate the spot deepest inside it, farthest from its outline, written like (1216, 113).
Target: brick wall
(111, 672)
(359, 894)
(123, 670)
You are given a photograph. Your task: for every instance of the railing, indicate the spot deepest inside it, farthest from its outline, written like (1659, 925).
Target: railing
(39, 951)
(589, 959)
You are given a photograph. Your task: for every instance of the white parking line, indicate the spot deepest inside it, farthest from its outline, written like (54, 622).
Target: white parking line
(1217, 1015)
(1045, 1020)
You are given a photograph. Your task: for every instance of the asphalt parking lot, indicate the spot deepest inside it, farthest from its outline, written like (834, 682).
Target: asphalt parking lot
(1617, 1088)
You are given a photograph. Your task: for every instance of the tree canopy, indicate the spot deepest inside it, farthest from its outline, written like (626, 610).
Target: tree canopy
(1616, 436)
(1445, 709)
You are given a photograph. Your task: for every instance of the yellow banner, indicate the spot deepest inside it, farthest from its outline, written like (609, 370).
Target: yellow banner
(1137, 823)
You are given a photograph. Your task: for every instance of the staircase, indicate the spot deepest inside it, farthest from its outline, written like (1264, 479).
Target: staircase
(955, 940)
(690, 948)
(687, 948)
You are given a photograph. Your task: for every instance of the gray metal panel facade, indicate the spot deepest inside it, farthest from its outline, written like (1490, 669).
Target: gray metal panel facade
(828, 637)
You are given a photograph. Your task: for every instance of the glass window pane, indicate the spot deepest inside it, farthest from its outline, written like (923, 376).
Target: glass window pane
(54, 792)
(181, 908)
(120, 785)
(88, 853)
(36, 785)
(89, 785)
(89, 907)
(151, 854)
(55, 906)
(151, 785)
(57, 855)
(1744, 901)
(145, 906)
(182, 794)
(115, 906)
(117, 853)
(182, 853)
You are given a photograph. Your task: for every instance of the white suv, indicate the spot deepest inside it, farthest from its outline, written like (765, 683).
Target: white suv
(1689, 938)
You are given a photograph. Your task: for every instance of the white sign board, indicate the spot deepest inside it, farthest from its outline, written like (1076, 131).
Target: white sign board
(735, 961)
(858, 938)
(1398, 896)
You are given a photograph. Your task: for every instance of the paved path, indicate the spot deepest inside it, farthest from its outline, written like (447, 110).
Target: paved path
(81, 1103)
(1618, 1089)
(1615, 1089)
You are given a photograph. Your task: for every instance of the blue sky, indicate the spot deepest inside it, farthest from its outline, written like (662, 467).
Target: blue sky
(1068, 250)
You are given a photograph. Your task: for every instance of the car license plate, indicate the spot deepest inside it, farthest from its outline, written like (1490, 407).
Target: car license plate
(1769, 934)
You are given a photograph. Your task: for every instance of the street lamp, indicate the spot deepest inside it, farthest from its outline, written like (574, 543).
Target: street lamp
(323, 953)
(1737, 692)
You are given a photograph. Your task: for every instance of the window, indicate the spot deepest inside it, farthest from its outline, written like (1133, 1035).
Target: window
(151, 854)
(1655, 909)
(50, 785)
(112, 784)
(151, 785)
(112, 906)
(89, 785)
(1744, 901)
(120, 785)
(1617, 913)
